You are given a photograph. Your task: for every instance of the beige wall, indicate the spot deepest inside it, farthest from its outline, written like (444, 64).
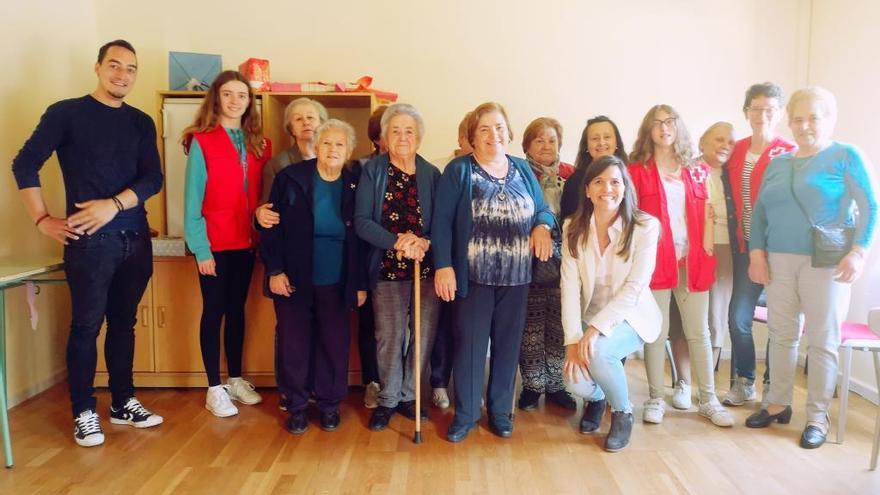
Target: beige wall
(568, 59)
(54, 47)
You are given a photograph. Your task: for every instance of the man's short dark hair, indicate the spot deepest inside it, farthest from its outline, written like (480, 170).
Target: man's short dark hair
(102, 52)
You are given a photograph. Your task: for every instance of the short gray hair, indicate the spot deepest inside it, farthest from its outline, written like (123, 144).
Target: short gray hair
(825, 98)
(402, 109)
(340, 125)
(288, 111)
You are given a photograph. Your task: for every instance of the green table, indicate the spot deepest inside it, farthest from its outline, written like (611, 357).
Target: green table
(14, 273)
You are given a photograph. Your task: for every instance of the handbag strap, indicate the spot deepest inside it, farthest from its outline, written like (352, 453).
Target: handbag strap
(796, 198)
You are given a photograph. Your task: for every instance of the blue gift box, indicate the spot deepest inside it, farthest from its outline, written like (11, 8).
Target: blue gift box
(192, 71)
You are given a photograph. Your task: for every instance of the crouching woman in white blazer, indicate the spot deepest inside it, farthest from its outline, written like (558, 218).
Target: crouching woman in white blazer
(608, 311)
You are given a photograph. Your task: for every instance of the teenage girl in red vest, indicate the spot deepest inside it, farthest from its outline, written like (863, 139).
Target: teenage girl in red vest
(226, 153)
(672, 186)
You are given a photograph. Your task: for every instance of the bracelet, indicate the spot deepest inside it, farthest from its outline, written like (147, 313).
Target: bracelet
(118, 203)
(45, 216)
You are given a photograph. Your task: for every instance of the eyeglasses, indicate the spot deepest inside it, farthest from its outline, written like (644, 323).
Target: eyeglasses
(765, 110)
(670, 122)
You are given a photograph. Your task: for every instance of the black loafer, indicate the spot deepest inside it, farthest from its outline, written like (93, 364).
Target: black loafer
(501, 425)
(812, 437)
(528, 400)
(458, 432)
(298, 422)
(592, 418)
(380, 418)
(407, 409)
(763, 419)
(330, 420)
(562, 399)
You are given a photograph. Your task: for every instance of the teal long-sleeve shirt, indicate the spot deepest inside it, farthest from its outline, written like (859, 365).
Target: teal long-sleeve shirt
(195, 230)
(826, 184)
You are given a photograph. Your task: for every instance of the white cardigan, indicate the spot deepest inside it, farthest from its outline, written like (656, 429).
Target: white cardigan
(631, 300)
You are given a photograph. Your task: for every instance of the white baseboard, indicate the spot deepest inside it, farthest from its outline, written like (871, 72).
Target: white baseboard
(38, 387)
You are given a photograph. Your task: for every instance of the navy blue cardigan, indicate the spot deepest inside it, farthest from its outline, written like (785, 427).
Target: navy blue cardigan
(368, 208)
(287, 247)
(452, 224)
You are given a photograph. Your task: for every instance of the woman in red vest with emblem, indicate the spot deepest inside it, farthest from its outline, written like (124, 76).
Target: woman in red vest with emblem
(672, 186)
(748, 162)
(226, 153)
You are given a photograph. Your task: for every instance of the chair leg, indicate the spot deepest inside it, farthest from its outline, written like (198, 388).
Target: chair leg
(732, 366)
(671, 362)
(845, 366)
(876, 447)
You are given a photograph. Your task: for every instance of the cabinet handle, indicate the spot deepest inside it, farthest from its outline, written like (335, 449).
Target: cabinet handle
(161, 323)
(145, 316)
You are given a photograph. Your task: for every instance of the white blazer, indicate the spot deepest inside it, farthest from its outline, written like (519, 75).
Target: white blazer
(631, 299)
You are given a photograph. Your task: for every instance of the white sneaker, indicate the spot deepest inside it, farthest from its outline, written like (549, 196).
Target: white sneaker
(219, 403)
(371, 395)
(654, 411)
(681, 395)
(87, 429)
(440, 398)
(742, 390)
(243, 391)
(716, 413)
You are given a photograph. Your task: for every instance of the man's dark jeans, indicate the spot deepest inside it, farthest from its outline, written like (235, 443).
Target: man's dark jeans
(107, 274)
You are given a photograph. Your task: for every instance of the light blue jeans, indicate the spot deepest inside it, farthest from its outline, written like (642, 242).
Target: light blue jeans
(607, 378)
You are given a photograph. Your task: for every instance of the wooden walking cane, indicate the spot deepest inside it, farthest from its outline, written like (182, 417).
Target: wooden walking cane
(417, 280)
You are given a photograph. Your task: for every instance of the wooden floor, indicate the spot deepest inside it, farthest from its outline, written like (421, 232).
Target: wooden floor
(194, 452)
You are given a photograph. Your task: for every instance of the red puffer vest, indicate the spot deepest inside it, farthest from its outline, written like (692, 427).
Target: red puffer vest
(229, 209)
(652, 200)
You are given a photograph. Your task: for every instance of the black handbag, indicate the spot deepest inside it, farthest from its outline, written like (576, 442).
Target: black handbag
(546, 273)
(830, 242)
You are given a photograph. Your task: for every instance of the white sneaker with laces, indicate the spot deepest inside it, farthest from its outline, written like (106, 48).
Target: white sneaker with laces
(243, 391)
(654, 411)
(716, 413)
(219, 403)
(87, 429)
(743, 390)
(681, 396)
(371, 395)
(440, 398)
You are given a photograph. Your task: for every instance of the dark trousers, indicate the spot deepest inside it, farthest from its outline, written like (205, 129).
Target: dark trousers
(107, 274)
(441, 355)
(322, 324)
(223, 299)
(741, 314)
(487, 312)
(367, 342)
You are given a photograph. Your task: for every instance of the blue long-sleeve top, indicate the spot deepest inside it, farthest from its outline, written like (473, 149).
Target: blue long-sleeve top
(826, 184)
(102, 151)
(371, 197)
(452, 222)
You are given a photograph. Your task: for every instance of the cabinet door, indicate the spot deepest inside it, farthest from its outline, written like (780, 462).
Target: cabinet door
(177, 305)
(143, 336)
(259, 331)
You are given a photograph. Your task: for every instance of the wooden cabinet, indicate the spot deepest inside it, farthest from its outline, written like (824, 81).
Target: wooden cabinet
(167, 349)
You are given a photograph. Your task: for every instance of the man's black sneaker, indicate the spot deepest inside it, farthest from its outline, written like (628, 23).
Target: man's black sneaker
(87, 429)
(133, 413)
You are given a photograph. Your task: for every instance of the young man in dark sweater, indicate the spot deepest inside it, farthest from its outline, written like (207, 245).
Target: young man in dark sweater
(110, 166)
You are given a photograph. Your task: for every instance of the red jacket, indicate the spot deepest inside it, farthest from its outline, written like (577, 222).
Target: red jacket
(735, 170)
(229, 209)
(652, 200)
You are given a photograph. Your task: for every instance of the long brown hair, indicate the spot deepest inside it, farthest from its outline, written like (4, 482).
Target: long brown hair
(208, 116)
(643, 149)
(579, 225)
